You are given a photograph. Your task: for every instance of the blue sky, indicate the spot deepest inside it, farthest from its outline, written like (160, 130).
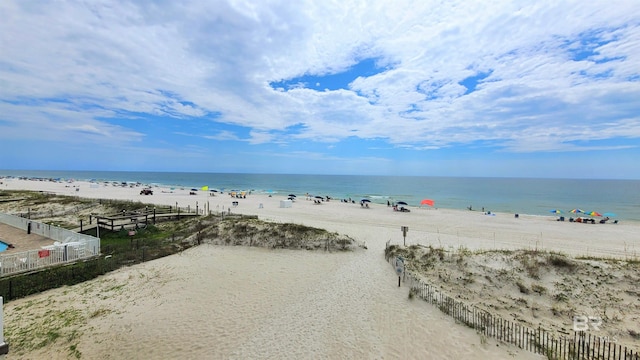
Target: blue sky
(455, 88)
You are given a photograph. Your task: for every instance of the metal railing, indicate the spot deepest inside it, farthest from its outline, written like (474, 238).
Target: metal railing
(68, 246)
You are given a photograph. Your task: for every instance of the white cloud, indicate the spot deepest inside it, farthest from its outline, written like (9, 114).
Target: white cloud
(223, 136)
(188, 60)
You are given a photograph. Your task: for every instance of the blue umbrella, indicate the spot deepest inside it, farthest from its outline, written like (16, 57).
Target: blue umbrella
(609, 214)
(556, 211)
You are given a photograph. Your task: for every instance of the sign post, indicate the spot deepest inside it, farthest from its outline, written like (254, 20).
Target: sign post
(399, 268)
(404, 233)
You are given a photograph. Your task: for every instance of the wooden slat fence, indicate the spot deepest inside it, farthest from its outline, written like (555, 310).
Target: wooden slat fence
(580, 346)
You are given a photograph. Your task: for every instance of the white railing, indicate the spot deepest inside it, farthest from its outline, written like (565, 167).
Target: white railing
(68, 246)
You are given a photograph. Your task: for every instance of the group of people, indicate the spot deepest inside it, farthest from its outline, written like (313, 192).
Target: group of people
(592, 221)
(396, 208)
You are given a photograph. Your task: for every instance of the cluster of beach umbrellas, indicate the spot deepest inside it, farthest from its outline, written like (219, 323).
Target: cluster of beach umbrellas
(579, 211)
(428, 202)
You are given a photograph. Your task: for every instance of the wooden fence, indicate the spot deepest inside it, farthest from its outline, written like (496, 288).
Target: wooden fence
(580, 346)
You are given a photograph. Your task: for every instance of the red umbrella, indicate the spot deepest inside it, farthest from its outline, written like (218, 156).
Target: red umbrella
(427, 202)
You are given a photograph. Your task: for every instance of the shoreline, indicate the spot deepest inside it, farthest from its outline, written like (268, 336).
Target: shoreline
(390, 191)
(427, 226)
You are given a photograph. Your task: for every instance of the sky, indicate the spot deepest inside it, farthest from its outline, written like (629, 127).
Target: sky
(429, 88)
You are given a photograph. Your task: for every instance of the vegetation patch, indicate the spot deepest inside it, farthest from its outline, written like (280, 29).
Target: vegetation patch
(247, 231)
(532, 287)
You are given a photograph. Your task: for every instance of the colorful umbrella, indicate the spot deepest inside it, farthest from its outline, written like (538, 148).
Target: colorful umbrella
(576, 211)
(593, 213)
(427, 202)
(556, 211)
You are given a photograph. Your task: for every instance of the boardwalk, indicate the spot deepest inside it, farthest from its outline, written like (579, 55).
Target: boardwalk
(130, 221)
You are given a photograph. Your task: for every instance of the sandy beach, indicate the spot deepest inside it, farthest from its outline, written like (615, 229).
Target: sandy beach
(214, 302)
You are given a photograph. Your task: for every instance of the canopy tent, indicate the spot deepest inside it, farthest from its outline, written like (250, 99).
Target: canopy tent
(428, 202)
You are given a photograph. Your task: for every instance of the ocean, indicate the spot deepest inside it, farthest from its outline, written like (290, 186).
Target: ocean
(509, 195)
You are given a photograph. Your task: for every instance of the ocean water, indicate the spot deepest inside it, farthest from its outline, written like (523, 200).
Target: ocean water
(511, 195)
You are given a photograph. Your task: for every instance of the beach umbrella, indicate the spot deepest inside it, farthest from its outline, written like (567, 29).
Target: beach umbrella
(292, 195)
(319, 197)
(576, 211)
(609, 214)
(427, 202)
(194, 189)
(365, 200)
(401, 203)
(556, 211)
(593, 213)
